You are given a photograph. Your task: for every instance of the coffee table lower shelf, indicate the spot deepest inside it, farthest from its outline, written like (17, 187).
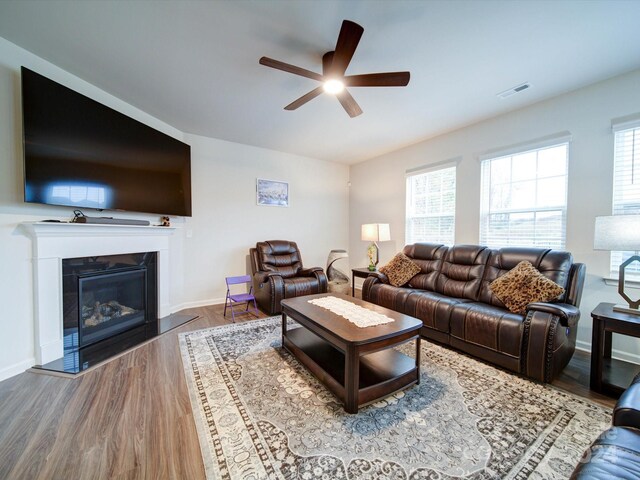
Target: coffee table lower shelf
(381, 373)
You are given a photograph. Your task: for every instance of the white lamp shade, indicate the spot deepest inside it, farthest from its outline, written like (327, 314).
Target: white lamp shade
(376, 232)
(617, 232)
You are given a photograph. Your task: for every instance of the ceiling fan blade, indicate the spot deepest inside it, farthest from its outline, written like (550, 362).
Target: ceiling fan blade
(348, 40)
(327, 61)
(389, 79)
(304, 99)
(278, 65)
(349, 103)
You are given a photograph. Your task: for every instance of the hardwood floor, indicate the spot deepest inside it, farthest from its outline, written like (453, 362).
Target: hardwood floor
(129, 418)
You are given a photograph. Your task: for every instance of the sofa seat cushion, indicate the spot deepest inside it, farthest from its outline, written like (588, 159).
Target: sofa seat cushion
(434, 309)
(615, 454)
(297, 286)
(488, 326)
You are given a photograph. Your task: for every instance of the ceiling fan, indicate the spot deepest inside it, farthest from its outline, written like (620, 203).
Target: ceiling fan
(333, 78)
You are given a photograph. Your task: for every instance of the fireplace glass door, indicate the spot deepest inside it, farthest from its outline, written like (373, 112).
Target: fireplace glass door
(110, 303)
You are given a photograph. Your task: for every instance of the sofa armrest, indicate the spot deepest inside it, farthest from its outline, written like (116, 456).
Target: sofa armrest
(548, 340)
(309, 272)
(627, 411)
(263, 277)
(319, 274)
(569, 315)
(268, 288)
(381, 277)
(374, 278)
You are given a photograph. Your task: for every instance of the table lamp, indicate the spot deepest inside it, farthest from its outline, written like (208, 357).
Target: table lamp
(374, 233)
(620, 233)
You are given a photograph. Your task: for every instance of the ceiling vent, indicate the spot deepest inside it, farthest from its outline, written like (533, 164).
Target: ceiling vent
(514, 90)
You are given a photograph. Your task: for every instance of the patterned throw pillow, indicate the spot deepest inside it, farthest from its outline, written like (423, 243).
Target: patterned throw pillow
(400, 270)
(523, 285)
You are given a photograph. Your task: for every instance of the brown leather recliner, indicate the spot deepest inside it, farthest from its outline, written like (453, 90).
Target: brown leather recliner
(278, 274)
(616, 452)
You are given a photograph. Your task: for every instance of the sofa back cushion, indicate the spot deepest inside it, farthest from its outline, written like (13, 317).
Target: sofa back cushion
(429, 257)
(553, 264)
(462, 271)
(279, 256)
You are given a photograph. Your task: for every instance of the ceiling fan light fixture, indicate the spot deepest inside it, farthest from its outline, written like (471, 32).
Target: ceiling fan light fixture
(334, 65)
(333, 86)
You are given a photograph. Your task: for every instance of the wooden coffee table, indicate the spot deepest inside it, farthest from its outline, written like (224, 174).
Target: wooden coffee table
(357, 364)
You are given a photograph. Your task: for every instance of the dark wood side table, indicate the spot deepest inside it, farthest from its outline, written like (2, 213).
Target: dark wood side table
(608, 375)
(360, 273)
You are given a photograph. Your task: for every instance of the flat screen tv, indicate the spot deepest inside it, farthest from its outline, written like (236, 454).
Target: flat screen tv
(80, 153)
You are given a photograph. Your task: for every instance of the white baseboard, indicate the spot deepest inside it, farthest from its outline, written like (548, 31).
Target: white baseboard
(16, 368)
(617, 354)
(197, 303)
(583, 346)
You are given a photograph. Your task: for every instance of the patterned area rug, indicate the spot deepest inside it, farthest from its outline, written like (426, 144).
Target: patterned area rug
(261, 415)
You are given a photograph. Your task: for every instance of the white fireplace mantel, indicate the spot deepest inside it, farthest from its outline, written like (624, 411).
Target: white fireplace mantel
(54, 241)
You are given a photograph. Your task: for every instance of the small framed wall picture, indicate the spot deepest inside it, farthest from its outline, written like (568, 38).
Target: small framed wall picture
(272, 193)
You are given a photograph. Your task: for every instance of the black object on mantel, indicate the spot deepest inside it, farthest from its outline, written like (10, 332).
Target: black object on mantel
(110, 221)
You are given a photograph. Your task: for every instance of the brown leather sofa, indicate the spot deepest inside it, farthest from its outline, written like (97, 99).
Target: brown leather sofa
(616, 452)
(451, 296)
(278, 273)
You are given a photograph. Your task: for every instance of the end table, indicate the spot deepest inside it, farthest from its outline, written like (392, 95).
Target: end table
(360, 273)
(611, 376)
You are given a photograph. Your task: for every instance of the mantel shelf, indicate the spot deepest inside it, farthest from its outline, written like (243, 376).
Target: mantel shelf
(68, 229)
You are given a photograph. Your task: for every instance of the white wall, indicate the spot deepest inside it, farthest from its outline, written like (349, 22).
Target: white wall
(378, 185)
(205, 248)
(226, 221)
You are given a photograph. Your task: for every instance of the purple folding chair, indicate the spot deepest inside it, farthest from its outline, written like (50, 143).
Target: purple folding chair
(240, 297)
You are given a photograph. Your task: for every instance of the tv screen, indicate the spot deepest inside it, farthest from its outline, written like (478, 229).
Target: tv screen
(80, 153)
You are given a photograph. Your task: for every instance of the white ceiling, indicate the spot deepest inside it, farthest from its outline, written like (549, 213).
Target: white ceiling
(194, 64)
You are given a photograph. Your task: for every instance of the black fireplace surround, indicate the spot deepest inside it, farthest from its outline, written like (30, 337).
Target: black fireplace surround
(107, 295)
(110, 304)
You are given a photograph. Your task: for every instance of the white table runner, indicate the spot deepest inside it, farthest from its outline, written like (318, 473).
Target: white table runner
(359, 316)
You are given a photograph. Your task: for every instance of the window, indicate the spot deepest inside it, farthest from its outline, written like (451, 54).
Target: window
(431, 206)
(626, 186)
(524, 198)
(94, 196)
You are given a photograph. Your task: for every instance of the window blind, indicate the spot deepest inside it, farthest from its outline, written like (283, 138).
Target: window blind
(626, 186)
(524, 198)
(431, 206)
